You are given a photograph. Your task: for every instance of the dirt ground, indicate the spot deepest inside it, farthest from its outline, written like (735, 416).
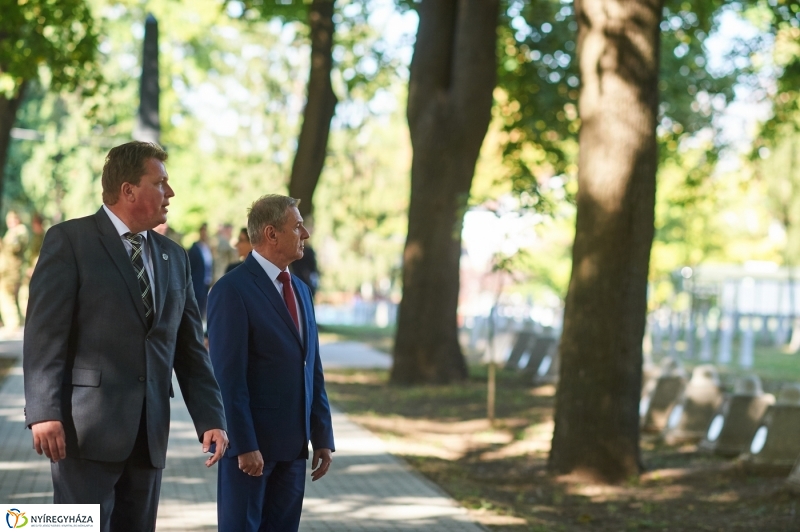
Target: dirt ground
(499, 472)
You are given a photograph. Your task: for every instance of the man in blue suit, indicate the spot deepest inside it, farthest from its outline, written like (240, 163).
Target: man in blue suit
(201, 262)
(265, 352)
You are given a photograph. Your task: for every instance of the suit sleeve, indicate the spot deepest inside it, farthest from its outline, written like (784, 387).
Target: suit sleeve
(321, 424)
(51, 305)
(227, 336)
(193, 369)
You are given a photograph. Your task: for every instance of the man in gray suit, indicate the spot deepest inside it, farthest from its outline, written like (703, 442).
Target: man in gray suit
(111, 314)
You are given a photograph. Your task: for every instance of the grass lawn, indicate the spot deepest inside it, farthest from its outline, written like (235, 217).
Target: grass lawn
(500, 472)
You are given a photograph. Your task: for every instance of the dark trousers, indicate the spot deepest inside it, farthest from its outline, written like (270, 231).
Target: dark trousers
(126, 491)
(272, 502)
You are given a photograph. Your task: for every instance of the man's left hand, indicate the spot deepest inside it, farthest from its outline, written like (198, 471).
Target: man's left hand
(218, 436)
(320, 463)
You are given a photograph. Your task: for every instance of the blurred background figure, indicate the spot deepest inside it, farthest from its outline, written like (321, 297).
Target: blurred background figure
(12, 261)
(306, 269)
(201, 262)
(224, 253)
(243, 249)
(169, 232)
(34, 247)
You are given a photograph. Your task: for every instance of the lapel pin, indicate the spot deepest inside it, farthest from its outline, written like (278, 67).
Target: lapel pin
(164, 256)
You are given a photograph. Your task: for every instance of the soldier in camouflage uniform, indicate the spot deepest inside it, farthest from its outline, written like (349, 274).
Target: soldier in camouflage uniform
(12, 260)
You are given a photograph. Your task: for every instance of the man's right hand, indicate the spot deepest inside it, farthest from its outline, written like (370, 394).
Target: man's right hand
(48, 438)
(252, 463)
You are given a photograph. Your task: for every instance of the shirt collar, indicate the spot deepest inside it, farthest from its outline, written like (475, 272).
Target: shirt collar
(271, 270)
(119, 225)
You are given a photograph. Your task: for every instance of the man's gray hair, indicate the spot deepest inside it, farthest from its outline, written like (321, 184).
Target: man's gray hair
(267, 210)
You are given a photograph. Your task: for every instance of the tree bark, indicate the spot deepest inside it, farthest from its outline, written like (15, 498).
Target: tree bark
(312, 144)
(596, 418)
(453, 74)
(8, 115)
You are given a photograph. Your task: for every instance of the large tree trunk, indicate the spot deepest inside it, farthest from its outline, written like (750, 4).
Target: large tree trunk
(312, 144)
(449, 108)
(8, 115)
(597, 416)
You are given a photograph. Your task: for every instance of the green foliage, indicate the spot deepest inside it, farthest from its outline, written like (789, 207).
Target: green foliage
(59, 35)
(781, 56)
(232, 93)
(540, 79)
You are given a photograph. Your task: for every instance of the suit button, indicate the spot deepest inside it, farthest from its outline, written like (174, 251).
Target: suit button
(141, 378)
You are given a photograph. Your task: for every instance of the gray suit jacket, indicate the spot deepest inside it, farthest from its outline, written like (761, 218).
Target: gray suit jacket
(90, 360)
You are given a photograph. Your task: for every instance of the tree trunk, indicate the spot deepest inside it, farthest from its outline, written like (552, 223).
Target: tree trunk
(312, 144)
(449, 108)
(597, 414)
(8, 115)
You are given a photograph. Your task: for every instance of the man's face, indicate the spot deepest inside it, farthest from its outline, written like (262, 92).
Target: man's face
(243, 246)
(12, 220)
(152, 195)
(292, 236)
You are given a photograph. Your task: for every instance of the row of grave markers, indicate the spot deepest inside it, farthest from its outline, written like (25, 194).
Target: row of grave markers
(756, 427)
(761, 430)
(707, 337)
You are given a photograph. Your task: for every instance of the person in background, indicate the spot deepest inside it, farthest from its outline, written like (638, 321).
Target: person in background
(12, 261)
(224, 252)
(32, 254)
(201, 262)
(243, 248)
(167, 231)
(306, 269)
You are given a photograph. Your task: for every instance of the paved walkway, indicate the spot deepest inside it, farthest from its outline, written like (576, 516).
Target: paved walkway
(366, 489)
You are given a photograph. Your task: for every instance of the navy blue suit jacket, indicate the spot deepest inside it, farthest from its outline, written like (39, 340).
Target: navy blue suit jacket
(272, 383)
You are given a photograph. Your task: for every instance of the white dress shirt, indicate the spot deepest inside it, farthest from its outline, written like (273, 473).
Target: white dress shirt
(273, 272)
(147, 256)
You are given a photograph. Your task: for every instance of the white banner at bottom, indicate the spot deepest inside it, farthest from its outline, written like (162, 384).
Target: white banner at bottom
(47, 517)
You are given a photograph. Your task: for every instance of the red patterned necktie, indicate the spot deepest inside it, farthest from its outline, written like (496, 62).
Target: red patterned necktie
(288, 297)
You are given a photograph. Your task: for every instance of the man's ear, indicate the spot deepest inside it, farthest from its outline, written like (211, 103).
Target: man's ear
(126, 192)
(270, 234)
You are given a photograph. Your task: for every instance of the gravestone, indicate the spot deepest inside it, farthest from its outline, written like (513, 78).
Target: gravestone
(782, 331)
(499, 347)
(655, 407)
(705, 334)
(776, 441)
(733, 426)
(674, 333)
(657, 333)
(689, 337)
(547, 370)
(521, 352)
(726, 332)
(793, 482)
(691, 414)
(747, 344)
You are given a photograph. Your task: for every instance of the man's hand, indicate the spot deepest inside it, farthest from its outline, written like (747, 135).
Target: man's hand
(320, 463)
(218, 436)
(48, 438)
(252, 463)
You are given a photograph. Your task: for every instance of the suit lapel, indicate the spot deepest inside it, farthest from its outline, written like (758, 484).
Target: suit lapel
(160, 272)
(304, 310)
(113, 244)
(266, 285)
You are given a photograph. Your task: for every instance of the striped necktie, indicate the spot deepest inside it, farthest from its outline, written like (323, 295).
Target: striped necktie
(135, 241)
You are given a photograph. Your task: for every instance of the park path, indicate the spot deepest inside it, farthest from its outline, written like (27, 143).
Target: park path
(367, 489)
